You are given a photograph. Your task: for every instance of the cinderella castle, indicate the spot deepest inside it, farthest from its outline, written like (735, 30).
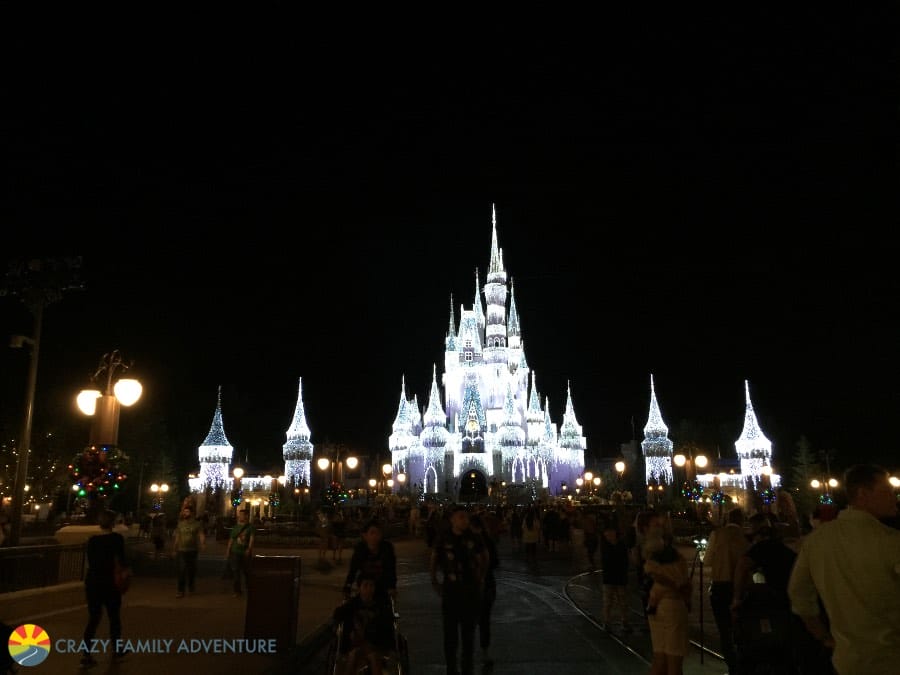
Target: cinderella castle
(490, 424)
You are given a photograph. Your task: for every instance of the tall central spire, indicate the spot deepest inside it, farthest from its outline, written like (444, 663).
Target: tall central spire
(496, 253)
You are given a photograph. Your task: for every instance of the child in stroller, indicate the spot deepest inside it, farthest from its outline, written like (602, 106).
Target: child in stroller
(365, 629)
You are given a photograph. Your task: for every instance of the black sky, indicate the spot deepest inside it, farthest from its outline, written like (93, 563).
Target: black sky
(710, 199)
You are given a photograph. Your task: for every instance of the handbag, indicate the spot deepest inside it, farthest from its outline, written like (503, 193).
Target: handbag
(121, 576)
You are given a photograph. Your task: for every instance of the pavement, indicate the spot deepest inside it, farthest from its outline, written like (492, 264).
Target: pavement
(205, 628)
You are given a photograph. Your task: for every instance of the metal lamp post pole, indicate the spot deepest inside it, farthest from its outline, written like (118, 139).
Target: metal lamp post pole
(25, 436)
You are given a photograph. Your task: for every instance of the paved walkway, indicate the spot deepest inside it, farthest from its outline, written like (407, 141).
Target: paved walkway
(152, 612)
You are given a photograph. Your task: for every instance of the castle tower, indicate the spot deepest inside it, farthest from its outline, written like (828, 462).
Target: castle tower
(297, 450)
(495, 293)
(754, 450)
(215, 453)
(656, 445)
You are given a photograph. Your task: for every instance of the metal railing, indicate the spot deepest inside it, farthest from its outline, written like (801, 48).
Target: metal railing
(23, 567)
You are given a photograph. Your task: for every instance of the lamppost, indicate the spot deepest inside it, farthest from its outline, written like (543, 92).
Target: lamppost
(690, 464)
(824, 485)
(236, 492)
(159, 492)
(97, 466)
(620, 471)
(386, 470)
(38, 283)
(324, 463)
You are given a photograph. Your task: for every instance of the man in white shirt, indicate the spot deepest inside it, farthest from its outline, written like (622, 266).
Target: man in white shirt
(853, 565)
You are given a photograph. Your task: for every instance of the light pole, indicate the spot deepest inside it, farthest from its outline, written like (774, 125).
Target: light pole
(236, 492)
(324, 463)
(97, 465)
(620, 471)
(386, 470)
(38, 283)
(824, 485)
(159, 492)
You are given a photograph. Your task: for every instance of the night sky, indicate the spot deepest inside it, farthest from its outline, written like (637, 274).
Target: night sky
(708, 199)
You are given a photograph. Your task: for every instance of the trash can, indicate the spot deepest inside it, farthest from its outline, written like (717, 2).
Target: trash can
(273, 599)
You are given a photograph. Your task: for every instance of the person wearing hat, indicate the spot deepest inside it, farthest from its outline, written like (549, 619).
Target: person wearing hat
(189, 539)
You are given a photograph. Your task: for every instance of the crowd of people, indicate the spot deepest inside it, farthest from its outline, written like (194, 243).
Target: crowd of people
(826, 604)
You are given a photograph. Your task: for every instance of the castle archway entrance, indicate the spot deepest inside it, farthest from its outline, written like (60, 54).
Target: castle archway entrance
(473, 486)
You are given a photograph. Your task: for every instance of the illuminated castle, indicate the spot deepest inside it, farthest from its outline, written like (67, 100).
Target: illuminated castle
(490, 425)
(754, 451)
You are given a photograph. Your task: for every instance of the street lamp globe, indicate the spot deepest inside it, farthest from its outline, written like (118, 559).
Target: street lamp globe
(579, 481)
(386, 469)
(323, 463)
(128, 391)
(620, 466)
(700, 461)
(352, 462)
(372, 482)
(588, 476)
(679, 460)
(401, 478)
(87, 401)
(596, 481)
(154, 488)
(238, 472)
(815, 484)
(832, 482)
(390, 482)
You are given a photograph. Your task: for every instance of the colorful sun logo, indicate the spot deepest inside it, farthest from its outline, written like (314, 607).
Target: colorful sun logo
(29, 645)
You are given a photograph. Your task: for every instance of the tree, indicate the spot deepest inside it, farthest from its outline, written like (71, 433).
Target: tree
(803, 469)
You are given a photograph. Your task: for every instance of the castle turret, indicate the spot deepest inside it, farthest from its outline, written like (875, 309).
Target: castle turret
(450, 341)
(478, 307)
(753, 448)
(215, 453)
(495, 293)
(656, 445)
(297, 450)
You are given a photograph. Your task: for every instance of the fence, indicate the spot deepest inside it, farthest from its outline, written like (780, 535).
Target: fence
(24, 567)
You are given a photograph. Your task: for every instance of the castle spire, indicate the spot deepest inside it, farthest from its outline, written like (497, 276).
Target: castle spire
(435, 415)
(478, 307)
(451, 331)
(753, 448)
(655, 427)
(299, 429)
(216, 435)
(496, 252)
(513, 323)
(297, 450)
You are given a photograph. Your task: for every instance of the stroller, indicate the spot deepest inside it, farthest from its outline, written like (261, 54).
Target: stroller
(394, 654)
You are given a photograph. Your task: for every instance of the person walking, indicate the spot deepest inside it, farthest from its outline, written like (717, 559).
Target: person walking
(591, 539)
(158, 534)
(489, 594)
(853, 565)
(727, 544)
(239, 550)
(189, 539)
(103, 550)
(531, 534)
(614, 560)
(761, 599)
(667, 610)
(458, 567)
